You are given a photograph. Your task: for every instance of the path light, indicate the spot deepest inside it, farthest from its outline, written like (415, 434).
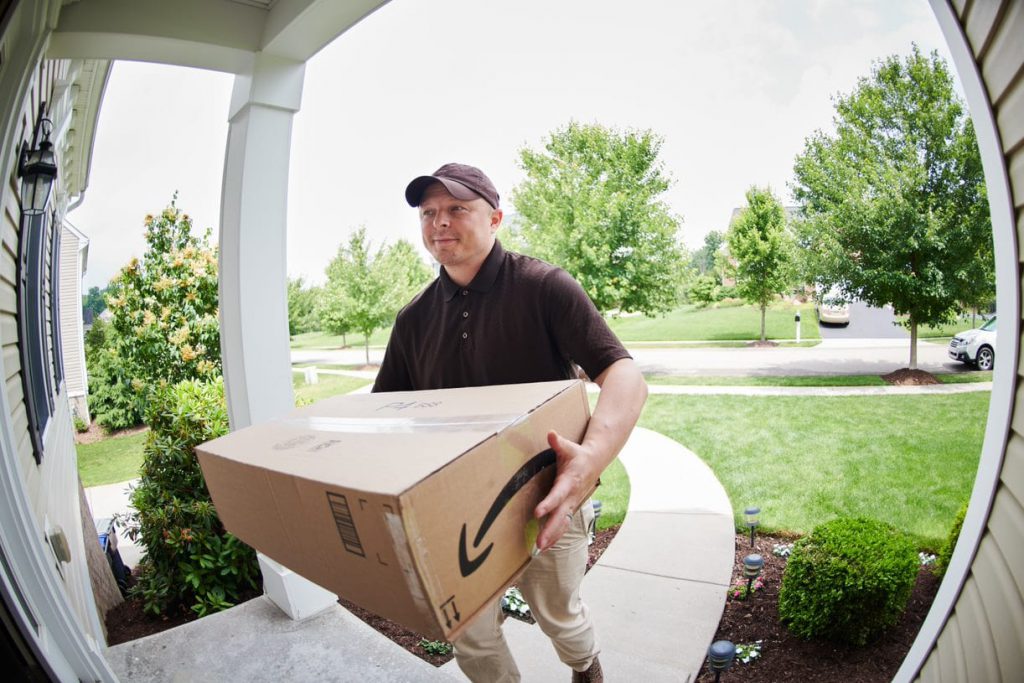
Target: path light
(592, 530)
(37, 168)
(752, 565)
(720, 657)
(753, 521)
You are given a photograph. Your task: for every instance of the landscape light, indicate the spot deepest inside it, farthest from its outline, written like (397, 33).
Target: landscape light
(752, 565)
(720, 657)
(753, 520)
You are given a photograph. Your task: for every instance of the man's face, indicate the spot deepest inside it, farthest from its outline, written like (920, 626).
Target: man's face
(459, 233)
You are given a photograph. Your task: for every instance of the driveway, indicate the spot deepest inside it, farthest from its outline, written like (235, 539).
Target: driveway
(866, 322)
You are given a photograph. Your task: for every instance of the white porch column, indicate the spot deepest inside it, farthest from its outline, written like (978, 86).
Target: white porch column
(253, 275)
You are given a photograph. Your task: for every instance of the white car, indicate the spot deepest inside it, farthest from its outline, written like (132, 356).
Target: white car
(832, 309)
(976, 347)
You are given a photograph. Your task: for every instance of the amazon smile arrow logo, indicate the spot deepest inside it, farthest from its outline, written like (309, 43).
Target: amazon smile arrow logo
(524, 474)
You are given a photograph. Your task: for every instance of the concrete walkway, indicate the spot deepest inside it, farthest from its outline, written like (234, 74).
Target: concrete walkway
(657, 595)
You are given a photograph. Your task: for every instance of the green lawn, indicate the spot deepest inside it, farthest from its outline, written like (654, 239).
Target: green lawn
(322, 340)
(907, 460)
(111, 460)
(329, 385)
(613, 494)
(722, 323)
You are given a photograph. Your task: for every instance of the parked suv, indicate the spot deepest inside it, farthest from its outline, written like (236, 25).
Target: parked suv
(977, 347)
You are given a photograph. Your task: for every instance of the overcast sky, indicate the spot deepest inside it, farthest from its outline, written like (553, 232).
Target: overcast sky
(733, 87)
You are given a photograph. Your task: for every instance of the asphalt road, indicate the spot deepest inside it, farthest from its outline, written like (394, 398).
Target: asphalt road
(831, 357)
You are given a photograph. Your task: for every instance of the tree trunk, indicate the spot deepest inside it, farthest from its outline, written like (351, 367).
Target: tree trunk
(763, 336)
(913, 345)
(366, 342)
(344, 341)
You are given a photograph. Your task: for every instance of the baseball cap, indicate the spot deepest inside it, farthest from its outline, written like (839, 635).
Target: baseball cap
(461, 181)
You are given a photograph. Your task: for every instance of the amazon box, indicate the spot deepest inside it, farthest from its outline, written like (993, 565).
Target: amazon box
(417, 506)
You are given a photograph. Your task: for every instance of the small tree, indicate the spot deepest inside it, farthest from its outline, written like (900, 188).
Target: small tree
(366, 288)
(93, 301)
(303, 304)
(164, 327)
(759, 243)
(591, 203)
(703, 259)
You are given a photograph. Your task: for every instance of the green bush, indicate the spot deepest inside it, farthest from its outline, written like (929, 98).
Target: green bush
(190, 559)
(704, 290)
(946, 551)
(848, 580)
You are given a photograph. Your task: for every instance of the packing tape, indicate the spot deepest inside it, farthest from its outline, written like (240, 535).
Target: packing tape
(403, 425)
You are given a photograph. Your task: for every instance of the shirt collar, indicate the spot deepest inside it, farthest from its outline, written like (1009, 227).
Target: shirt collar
(484, 278)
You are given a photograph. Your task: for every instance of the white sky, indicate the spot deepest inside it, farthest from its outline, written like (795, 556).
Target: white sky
(734, 87)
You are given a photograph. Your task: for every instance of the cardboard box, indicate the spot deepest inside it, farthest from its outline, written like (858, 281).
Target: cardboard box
(417, 506)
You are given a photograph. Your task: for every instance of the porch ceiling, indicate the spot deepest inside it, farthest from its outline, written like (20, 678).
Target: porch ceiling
(214, 34)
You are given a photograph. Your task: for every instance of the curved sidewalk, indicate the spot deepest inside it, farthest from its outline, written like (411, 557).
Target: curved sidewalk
(657, 595)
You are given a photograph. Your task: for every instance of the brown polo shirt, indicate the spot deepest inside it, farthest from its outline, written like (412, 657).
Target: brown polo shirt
(519, 320)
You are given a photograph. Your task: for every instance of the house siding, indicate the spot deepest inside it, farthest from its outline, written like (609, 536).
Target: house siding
(71, 328)
(52, 483)
(980, 640)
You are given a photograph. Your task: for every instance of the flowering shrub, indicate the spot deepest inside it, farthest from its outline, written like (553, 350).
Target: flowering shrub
(513, 603)
(738, 591)
(748, 652)
(164, 327)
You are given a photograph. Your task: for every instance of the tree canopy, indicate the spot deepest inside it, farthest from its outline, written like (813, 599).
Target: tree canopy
(762, 249)
(591, 203)
(366, 288)
(894, 201)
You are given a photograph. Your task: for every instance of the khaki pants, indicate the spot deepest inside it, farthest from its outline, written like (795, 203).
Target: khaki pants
(551, 586)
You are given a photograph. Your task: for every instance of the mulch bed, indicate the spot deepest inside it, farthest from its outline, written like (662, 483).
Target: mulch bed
(908, 377)
(128, 621)
(785, 657)
(96, 433)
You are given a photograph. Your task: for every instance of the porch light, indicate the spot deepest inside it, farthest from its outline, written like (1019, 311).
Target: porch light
(37, 169)
(721, 654)
(752, 565)
(753, 521)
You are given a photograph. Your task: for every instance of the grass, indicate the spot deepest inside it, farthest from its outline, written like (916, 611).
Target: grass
(613, 494)
(111, 460)
(725, 322)
(322, 340)
(329, 385)
(807, 380)
(907, 460)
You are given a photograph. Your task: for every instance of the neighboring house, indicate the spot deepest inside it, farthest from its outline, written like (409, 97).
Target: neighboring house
(74, 256)
(54, 64)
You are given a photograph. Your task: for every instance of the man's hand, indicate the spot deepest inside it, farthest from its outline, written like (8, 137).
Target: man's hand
(623, 392)
(577, 475)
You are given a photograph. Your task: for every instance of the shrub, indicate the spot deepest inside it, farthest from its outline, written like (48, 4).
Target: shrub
(704, 290)
(190, 559)
(946, 551)
(848, 580)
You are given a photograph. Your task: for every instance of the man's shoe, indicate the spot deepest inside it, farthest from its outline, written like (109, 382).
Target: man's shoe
(591, 675)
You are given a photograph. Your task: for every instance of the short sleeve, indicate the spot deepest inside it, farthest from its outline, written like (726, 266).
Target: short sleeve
(579, 330)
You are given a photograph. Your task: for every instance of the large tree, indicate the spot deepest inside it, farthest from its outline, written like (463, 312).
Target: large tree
(366, 287)
(894, 201)
(762, 249)
(591, 203)
(303, 303)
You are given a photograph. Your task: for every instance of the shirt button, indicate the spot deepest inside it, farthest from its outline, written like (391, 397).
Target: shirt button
(465, 292)
(465, 335)
(465, 314)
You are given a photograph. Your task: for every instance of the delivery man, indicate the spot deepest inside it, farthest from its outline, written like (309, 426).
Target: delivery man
(496, 317)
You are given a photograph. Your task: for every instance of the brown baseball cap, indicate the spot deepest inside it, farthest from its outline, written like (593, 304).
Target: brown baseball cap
(461, 181)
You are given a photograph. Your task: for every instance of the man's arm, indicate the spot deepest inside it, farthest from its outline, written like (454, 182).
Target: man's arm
(623, 393)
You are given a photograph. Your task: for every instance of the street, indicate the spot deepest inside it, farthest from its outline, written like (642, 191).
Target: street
(830, 357)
